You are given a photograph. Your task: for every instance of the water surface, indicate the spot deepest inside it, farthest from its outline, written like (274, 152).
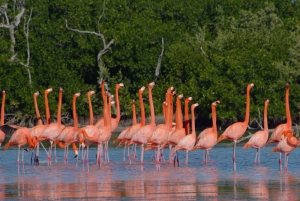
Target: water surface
(119, 179)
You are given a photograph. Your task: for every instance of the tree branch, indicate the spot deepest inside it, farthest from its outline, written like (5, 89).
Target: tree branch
(160, 58)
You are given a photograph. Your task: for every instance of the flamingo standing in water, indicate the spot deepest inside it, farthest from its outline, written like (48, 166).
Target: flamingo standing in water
(143, 135)
(69, 134)
(259, 139)
(124, 132)
(187, 142)
(277, 133)
(134, 128)
(286, 145)
(90, 130)
(180, 131)
(114, 121)
(39, 128)
(161, 131)
(236, 130)
(20, 138)
(52, 131)
(209, 140)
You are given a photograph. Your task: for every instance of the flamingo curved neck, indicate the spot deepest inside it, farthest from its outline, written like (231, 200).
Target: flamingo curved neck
(2, 109)
(186, 115)
(37, 112)
(133, 113)
(59, 107)
(287, 109)
(151, 107)
(214, 118)
(74, 112)
(193, 123)
(118, 104)
(91, 110)
(143, 116)
(266, 118)
(47, 108)
(247, 106)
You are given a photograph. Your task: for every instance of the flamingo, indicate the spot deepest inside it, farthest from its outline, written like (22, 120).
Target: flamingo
(161, 131)
(259, 139)
(134, 128)
(114, 121)
(236, 130)
(209, 140)
(180, 131)
(90, 130)
(52, 131)
(104, 132)
(20, 138)
(142, 136)
(276, 134)
(187, 142)
(69, 134)
(286, 145)
(124, 132)
(39, 128)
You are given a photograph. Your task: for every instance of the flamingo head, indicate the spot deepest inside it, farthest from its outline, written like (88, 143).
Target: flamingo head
(35, 94)
(143, 88)
(195, 105)
(180, 96)
(77, 95)
(48, 90)
(287, 86)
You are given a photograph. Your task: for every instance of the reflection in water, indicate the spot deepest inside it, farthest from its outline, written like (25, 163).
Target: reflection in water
(120, 179)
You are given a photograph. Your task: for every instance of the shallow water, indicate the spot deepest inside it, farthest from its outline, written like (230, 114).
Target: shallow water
(119, 179)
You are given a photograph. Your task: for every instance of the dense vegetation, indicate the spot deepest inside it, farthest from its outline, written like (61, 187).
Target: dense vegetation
(212, 50)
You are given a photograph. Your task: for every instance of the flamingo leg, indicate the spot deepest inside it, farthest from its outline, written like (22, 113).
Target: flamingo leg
(280, 162)
(255, 159)
(142, 155)
(186, 158)
(170, 154)
(258, 157)
(286, 162)
(233, 158)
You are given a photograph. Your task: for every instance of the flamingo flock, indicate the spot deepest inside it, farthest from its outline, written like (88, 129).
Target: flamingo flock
(148, 136)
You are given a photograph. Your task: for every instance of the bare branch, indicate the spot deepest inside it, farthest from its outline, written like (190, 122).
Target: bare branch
(200, 40)
(160, 58)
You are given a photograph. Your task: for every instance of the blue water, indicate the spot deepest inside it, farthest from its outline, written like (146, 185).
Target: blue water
(119, 179)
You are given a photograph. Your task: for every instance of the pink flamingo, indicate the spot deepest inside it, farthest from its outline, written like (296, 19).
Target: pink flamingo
(53, 130)
(209, 139)
(39, 128)
(187, 142)
(161, 131)
(69, 134)
(20, 138)
(276, 134)
(180, 131)
(122, 135)
(143, 135)
(114, 121)
(134, 128)
(90, 130)
(236, 130)
(286, 145)
(259, 139)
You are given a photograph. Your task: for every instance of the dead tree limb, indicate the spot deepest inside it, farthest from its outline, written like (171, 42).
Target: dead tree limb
(11, 26)
(200, 38)
(106, 46)
(26, 33)
(157, 70)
